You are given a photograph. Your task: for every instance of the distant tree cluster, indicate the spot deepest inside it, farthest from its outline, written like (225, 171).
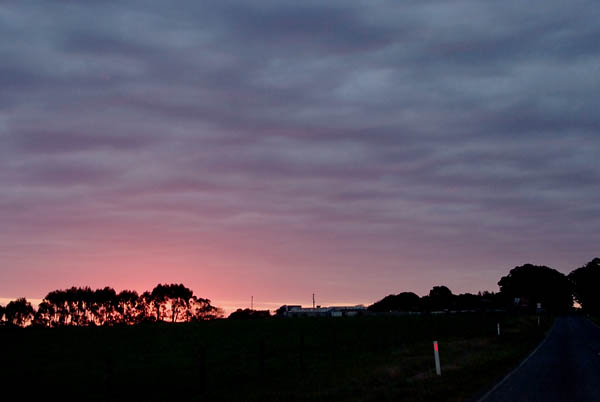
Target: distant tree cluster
(17, 312)
(440, 298)
(82, 306)
(523, 288)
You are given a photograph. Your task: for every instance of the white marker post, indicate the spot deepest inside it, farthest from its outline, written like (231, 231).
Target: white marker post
(436, 353)
(498, 325)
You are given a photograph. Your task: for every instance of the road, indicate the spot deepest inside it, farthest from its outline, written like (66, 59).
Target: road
(565, 367)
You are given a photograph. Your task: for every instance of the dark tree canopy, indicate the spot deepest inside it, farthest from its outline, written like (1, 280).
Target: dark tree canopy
(440, 291)
(439, 298)
(170, 301)
(586, 282)
(405, 301)
(538, 284)
(468, 301)
(19, 312)
(175, 302)
(129, 306)
(78, 306)
(201, 309)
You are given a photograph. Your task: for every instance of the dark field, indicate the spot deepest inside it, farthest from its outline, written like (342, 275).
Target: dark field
(339, 359)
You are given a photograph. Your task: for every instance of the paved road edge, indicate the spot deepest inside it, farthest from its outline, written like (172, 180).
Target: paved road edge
(525, 360)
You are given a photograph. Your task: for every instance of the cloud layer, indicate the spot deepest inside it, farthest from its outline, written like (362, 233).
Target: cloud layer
(277, 148)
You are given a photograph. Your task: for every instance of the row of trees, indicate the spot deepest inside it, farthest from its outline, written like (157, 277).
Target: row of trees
(523, 288)
(82, 306)
(439, 298)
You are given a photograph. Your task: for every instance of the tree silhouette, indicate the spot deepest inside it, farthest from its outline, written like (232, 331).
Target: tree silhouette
(538, 284)
(78, 302)
(175, 302)
(58, 313)
(19, 312)
(146, 307)
(440, 292)
(405, 301)
(158, 299)
(179, 300)
(585, 282)
(128, 307)
(104, 305)
(1, 315)
(201, 309)
(439, 298)
(45, 315)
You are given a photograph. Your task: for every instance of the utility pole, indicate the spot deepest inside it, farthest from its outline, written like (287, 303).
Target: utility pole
(313, 300)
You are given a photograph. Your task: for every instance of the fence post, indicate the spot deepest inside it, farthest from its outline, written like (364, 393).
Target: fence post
(436, 354)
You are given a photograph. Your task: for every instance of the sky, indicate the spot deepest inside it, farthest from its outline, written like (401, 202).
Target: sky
(277, 149)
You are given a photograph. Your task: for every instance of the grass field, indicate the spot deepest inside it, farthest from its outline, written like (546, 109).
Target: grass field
(339, 359)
